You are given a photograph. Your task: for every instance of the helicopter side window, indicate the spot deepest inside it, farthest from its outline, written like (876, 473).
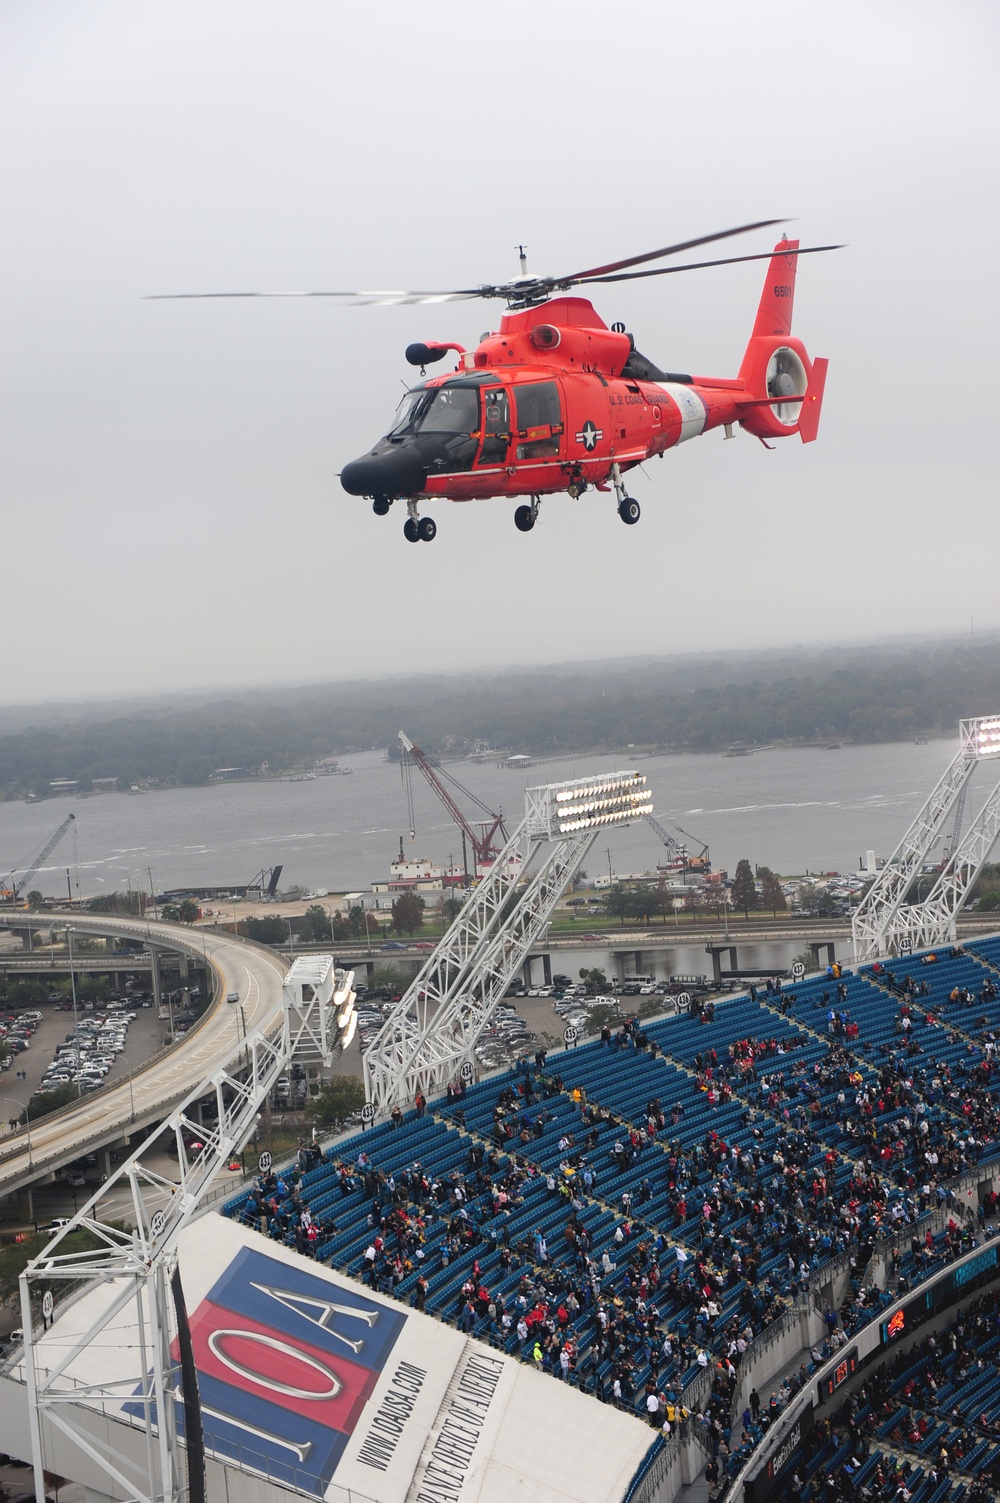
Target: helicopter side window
(496, 427)
(539, 420)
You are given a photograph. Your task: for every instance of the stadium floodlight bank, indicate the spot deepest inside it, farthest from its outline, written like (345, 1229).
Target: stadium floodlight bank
(558, 809)
(430, 1037)
(885, 922)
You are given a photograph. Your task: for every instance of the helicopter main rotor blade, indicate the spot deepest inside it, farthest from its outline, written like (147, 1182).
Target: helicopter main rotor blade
(361, 299)
(664, 271)
(668, 250)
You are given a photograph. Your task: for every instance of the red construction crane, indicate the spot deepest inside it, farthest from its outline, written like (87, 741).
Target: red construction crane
(484, 842)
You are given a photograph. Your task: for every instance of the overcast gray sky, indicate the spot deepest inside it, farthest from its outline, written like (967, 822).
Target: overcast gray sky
(171, 513)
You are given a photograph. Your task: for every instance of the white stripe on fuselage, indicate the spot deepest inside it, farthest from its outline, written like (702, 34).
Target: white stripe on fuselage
(692, 409)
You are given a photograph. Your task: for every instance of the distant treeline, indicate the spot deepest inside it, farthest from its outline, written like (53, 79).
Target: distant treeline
(700, 702)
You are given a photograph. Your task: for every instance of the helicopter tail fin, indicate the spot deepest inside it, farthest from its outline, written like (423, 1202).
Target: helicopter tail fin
(774, 312)
(785, 388)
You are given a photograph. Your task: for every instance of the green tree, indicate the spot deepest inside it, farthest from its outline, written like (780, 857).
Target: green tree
(35, 900)
(356, 919)
(93, 989)
(188, 912)
(266, 931)
(594, 976)
(316, 926)
(339, 1098)
(810, 898)
(134, 903)
(49, 1101)
(407, 913)
(451, 908)
(26, 993)
(619, 902)
(744, 889)
(340, 927)
(16, 1257)
(598, 1016)
(771, 895)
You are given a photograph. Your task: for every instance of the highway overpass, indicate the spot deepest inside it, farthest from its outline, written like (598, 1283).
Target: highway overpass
(149, 1093)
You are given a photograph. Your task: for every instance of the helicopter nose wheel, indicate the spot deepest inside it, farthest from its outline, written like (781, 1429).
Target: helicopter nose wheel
(418, 529)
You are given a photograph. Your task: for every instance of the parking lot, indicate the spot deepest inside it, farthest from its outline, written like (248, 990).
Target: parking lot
(144, 1037)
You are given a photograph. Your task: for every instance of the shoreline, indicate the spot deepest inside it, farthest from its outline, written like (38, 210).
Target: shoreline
(540, 760)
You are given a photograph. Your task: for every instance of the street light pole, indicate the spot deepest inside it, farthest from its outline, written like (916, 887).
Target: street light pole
(72, 972)
(72, 982)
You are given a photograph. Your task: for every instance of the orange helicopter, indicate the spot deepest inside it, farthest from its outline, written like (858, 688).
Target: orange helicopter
(555, 401)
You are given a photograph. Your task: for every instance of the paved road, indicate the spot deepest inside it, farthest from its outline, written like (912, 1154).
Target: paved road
(156, 1088)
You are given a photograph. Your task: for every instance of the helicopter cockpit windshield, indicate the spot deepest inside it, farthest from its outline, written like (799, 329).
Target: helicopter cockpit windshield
(442, 409)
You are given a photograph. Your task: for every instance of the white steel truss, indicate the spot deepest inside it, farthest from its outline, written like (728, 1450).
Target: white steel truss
(883, 917)
(431, 1035)
(934, 921)
(135, 1263)
(316, 996)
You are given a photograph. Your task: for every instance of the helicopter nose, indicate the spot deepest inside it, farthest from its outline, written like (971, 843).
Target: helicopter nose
(395, 472)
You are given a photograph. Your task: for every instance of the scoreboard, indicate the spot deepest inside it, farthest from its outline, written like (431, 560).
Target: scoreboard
(846, 1367)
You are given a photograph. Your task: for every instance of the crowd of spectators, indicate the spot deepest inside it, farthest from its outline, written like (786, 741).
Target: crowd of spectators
(924, 1424)
(627, 1253)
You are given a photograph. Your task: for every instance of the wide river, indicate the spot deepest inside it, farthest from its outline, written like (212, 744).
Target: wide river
(794, 810)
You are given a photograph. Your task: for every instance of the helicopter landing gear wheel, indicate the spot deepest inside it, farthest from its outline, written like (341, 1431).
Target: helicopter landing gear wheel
(628, 509)
(525, 517)
(380, 506)
(427, 529)
(411, 532)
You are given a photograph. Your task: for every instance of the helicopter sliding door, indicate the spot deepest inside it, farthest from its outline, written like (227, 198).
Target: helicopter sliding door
(539, 420)
(496, 427)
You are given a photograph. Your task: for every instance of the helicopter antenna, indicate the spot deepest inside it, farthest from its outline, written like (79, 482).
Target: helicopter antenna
(523, 255)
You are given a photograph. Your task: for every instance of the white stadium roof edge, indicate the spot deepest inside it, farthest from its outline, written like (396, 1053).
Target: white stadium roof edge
(311, 1384)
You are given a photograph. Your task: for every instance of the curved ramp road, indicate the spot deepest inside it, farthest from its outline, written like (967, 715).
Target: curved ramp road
(156, 1088)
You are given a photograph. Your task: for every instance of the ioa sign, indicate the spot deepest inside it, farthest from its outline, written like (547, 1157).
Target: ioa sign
(286, 1363)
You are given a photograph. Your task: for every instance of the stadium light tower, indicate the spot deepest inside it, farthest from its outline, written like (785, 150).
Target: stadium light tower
(884, 923)
(431, 1035)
